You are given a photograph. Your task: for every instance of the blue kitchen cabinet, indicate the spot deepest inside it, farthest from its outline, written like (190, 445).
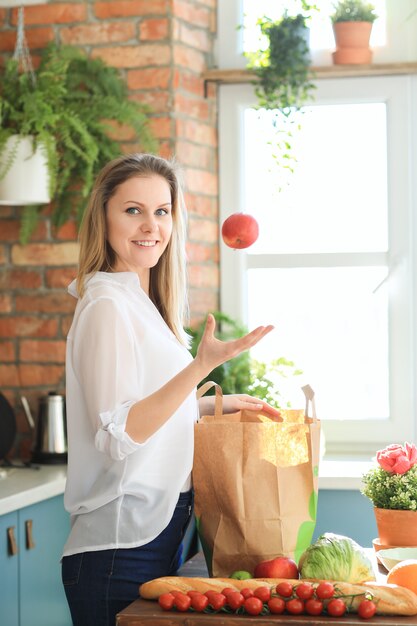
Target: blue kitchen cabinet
(31, 589)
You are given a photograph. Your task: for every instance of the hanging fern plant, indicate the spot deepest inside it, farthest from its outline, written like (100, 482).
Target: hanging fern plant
(70, 108)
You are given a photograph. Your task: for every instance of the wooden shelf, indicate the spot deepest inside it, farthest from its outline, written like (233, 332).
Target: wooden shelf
(241, 76)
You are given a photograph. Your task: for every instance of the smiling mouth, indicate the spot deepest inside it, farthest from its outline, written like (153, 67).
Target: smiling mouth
(146, 243)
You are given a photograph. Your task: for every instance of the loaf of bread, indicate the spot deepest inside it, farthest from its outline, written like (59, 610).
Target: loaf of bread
(389, 599)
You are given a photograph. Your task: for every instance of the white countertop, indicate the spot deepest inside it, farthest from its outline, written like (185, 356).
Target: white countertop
(21, 487)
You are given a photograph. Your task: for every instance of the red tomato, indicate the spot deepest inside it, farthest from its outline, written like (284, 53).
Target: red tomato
(276, 605)
(217, 601)
(235, 600)
(336, 607)
(210, 592)
(325, 590)
(199, 602)
(366, 609)
(263, 593)
(228, 590)
(176, 593)
(304, 591)
(166, 601)
(247, 593)
(253, 605)
(193, 592)
(295, 606)
(284, 589)
(182, 602)
(314, 607)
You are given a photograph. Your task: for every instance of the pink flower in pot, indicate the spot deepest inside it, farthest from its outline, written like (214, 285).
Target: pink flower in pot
(397, 459)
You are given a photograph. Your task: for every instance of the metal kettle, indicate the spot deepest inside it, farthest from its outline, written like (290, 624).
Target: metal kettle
(51, 432)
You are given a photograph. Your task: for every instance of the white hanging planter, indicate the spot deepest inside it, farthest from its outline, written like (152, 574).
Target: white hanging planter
(27, 179)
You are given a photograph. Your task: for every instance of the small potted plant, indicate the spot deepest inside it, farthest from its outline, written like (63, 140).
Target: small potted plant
(69, 108)
(392, 488)
(282, 67)
(352, 22)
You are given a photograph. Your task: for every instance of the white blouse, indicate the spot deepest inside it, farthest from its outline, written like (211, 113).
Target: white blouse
(121, 493)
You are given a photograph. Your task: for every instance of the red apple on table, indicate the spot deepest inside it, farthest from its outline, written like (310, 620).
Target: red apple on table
(280, 567)
(240, 230)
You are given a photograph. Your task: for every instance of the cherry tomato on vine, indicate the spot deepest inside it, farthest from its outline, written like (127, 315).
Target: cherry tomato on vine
(182, 602)
(199, 602)
(253, 605)
(325, 590)
(314, 607)
(276, 605)
(295, 606)
(228, 590)
(263, 593)
(366, 609)
(166, 601)
(247, 593)
(217, 601)
(336, 607)
(284, 589)
(193, 592)
(304, 591)
(235, 600)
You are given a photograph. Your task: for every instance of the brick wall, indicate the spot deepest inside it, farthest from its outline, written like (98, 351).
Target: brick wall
(161, 47)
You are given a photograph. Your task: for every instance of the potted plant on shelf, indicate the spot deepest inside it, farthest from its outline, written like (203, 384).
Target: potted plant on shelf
(282, 68)
(392, 488)
(352, 22)
(69, 109)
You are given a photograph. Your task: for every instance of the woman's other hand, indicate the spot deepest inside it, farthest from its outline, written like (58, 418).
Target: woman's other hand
(212, 352)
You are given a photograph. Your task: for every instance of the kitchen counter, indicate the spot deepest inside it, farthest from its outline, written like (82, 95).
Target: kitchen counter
(23, 486)
(148, 613)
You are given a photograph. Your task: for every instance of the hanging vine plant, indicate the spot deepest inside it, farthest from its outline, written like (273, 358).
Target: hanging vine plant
(70, 108)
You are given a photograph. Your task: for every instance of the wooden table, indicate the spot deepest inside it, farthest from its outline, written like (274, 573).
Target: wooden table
(148, 613)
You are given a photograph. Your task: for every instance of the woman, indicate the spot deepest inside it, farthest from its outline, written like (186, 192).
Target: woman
(131, 390)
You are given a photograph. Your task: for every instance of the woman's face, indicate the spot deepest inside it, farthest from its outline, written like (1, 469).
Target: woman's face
(139, 224)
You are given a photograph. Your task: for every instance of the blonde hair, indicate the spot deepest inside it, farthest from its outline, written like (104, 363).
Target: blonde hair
(167, 288)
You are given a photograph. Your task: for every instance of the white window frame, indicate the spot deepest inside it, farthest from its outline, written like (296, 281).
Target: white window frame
(400, 95)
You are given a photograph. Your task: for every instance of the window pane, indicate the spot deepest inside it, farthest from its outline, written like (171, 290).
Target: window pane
(336, 199)
(334, 325)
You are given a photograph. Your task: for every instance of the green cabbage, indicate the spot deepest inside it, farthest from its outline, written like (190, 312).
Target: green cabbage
(335, 557)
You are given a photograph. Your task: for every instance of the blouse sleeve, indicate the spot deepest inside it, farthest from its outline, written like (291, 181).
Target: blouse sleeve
(108, 371)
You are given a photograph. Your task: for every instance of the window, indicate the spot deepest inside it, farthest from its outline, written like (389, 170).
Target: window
(334, 264)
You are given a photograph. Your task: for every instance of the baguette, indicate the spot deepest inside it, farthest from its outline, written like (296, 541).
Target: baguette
(389, 599)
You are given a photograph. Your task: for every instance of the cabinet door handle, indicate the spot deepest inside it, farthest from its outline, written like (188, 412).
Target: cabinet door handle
(11, 542)
(30, 544)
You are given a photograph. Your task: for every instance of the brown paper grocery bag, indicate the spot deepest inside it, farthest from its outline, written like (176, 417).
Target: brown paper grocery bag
(256, 484)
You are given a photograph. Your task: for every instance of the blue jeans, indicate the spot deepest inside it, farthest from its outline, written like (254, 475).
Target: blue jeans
(100, 584)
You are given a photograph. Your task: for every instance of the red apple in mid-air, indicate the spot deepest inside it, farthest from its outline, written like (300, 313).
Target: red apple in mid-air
(240, 230)
(280, 567)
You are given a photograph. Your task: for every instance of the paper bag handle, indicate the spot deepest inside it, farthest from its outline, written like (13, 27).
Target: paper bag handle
(218, 402)
(309, 394)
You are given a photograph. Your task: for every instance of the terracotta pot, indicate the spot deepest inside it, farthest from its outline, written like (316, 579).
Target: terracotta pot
(352, 43)
(395, 527)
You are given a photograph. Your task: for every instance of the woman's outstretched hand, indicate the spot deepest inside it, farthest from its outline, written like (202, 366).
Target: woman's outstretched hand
(212, 352)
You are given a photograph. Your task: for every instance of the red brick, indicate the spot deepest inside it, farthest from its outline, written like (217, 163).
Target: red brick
(198, 16)
(203, 275)
(160, 127)
(192, 154)
(66, 321)
(60, 279)
(197, 132)
(2, 254)
(42, 351)
(40, 375)
(35, 37)
(27, 327)
(7, 351)
(203, 206)
(154, 78)
(98, 33)
(9, 375)
(205, 231)
(198, 253)
(128, 8)
(20, 279)
(193, 37)
(45, 254)
(189, 58)
(2, 17)
(5, 211)
(59, 13)
(60, 302)
(158, 101)
(134, 56)
(192, 107)
(153, 29)
(202, 301)
(5, 303)
(199, 180)
(66, 231)
(9, 230)
(189, 82)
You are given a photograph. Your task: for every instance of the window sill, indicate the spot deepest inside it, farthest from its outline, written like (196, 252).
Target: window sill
(342, 474)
